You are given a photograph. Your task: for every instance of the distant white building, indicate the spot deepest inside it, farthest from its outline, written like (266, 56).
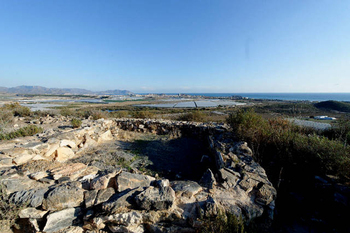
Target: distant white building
(324, 118)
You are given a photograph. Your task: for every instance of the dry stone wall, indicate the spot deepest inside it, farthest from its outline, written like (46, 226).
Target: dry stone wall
(76, 197)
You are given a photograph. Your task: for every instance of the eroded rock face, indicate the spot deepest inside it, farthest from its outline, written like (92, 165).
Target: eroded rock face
(114, 200)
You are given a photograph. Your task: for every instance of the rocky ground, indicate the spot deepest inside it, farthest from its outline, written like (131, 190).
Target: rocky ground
(130, 175)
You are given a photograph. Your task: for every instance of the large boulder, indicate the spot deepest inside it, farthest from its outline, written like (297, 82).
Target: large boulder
(64, 196)
(61, 219)
(127, 180)
(154, 198)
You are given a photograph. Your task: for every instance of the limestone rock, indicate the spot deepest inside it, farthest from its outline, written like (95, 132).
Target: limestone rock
(241, 148)
(32, 213)
(63, 154)
(127, 180)
(70, 170)
(129, 229)
(130, 220)
(103, 181)
(156, 198)
(38, 175)
(17, 184)
(208, 179)
(266, 194)
(90, 197)
(70, 144)
(21, 159)
(229, 177)
(120, 200)
(106, 136)
(51, 150)
(64, 196)
(61, 219)
(103, 195)
(34, 197)
(186, 188)
(5, 161)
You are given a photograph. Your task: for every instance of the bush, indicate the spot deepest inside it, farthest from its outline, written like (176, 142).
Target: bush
(66, 112)
(192, 116)
(22, 132)
(142, 114)
(223, 223)
(6, 116)
(17, 109)
(95, 114)
(119, 114)
(76, 123)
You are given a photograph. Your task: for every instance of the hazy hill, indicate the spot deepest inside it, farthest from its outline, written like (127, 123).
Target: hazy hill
(334, 105)
(59, 91)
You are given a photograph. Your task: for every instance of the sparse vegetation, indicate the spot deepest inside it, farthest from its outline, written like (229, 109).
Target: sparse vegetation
(142, 114)
(8, 211)
(22, 132)
(192, 116)
(17, 109)
(76, 123)
(286, 144)
(222, 223)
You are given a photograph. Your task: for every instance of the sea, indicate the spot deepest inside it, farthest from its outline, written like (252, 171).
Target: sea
(279, 96)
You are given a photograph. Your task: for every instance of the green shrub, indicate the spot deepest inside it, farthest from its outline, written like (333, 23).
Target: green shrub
(17, 109)
(119, 114)
(66, 112)
(223, 223)
(22, 132)
(76, 123)
(142, 114)
(6, 116)
(192, 116)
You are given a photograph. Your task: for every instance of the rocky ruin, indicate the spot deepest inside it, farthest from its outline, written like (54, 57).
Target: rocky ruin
(78, 197)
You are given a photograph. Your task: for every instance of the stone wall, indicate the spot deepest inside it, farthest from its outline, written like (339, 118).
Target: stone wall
(76, 197)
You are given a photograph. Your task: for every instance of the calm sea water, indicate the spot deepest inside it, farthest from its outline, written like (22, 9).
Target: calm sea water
(281, 96)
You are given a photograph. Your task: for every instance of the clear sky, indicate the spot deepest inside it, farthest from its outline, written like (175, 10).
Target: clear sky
(177, 46)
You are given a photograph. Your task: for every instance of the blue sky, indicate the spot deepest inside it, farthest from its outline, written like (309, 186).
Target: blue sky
(177, 46)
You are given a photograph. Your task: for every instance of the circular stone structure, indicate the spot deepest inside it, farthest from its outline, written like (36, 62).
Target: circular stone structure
(66, 194)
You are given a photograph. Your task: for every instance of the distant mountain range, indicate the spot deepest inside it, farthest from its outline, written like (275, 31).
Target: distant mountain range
(59, 91)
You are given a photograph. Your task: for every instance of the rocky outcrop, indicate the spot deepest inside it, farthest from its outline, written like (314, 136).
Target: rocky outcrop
(75, 196)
